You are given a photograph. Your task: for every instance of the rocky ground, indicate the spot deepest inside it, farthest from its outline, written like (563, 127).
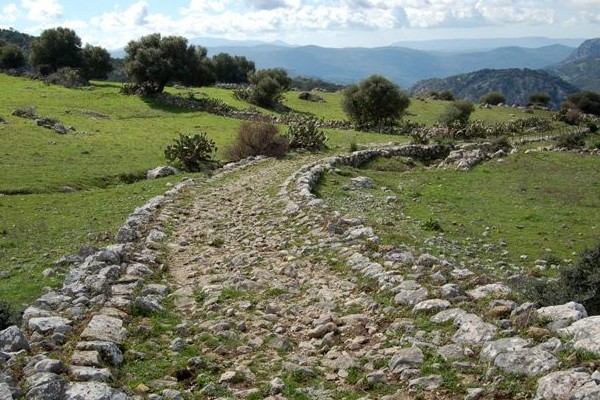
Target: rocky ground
(247, 286)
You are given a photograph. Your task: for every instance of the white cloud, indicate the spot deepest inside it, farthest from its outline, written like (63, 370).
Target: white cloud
(133, 16)
(10, 13)
(42, 11)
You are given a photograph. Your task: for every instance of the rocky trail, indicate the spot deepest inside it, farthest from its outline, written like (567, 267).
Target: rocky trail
(261, 290)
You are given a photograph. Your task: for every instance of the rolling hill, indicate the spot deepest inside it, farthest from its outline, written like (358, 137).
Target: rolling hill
(515, 84)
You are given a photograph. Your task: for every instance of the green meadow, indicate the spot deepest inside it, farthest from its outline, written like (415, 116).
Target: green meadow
(60, 192)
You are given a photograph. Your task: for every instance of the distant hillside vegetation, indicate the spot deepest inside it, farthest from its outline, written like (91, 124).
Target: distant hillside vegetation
(515, 84)
(582, 68)
(22, 40)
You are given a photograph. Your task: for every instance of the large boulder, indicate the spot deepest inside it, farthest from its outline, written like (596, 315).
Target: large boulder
(585, 334)
(526, 362)
(562, 315)
(13, 340)
(567, 385)
(161, 172)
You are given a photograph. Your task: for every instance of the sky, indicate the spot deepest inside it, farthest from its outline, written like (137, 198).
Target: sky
(330, 23)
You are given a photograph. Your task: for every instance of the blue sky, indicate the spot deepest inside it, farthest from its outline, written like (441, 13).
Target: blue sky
(334, 23)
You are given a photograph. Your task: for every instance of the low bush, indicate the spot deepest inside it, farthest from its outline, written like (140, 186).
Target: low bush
(8, 316)
(306, 135)
(67, 77)
(493, 98)
(192, 153)
(580, 283)
(571, 140)
(256, 139)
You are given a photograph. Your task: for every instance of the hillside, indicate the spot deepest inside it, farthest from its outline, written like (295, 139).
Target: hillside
(582, 67)
(515, 84)
(22, 40)
(403, 65)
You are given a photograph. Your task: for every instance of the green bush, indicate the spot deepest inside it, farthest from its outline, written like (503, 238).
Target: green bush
(192, 153)
(306, 136)
(571, 140)
(580, 283)
(8, 316)
(256, 139)
(67, 77)
(456, 114)
(493, 98)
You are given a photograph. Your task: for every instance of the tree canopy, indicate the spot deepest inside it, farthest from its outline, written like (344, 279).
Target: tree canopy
(56, 48)
(232, 69)
(374, 102)
(153, 60)
(96, 62)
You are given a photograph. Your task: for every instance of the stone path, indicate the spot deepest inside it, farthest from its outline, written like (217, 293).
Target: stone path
(283, 297)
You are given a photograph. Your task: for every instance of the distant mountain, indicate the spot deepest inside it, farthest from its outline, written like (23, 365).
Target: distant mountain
(582, 67)
(469, 45)
(515, 84)
(402, 65)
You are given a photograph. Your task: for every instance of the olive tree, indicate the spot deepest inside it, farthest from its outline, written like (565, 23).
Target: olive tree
(56, 48)
(96, 62)
(374, 103)
(152, 61)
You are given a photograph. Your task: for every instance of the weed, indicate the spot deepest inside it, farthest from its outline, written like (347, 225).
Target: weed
(255, 139)
(432, 224)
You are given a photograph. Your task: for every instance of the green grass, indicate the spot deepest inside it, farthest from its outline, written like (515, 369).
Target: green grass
(117, 139)
(539, 204)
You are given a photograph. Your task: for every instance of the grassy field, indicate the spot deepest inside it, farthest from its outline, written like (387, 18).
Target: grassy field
(117, 139)
(528, 207)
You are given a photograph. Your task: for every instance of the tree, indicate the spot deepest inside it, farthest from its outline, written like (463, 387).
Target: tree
(56, 48)
(96, 62)
(279, 75)
(232, 69)
(456, 114)
(539, 99)
(374, 102)
(493, 98)
(588, 102)
(268, 86)
(11, 56)
(152, 61)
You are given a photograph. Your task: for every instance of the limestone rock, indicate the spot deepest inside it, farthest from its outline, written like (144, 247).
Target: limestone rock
(563, 315)
(491, 350)
(492, 290)
(586, 334)
(428, 383)
(45, 386)
(362, 182)
(104, 328)
(431, 305)
(472, 330)
(13, 340)
(79, 373)
(92, 391)
(567, 385)
(411, 357)
(45, 325)
(109, 351)
(410, 293)
(526, 362)
(161, 172)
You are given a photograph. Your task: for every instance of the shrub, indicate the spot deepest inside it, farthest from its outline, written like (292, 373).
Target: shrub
(67, 77)
(306, 136)
(456, 114)
(593, 127)
(539, 99)
(571, 140)
(588, 102)
(493, 98)
(192, 153)
(580, 283)
(374, 103)
(255, 139)
(8, 316)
